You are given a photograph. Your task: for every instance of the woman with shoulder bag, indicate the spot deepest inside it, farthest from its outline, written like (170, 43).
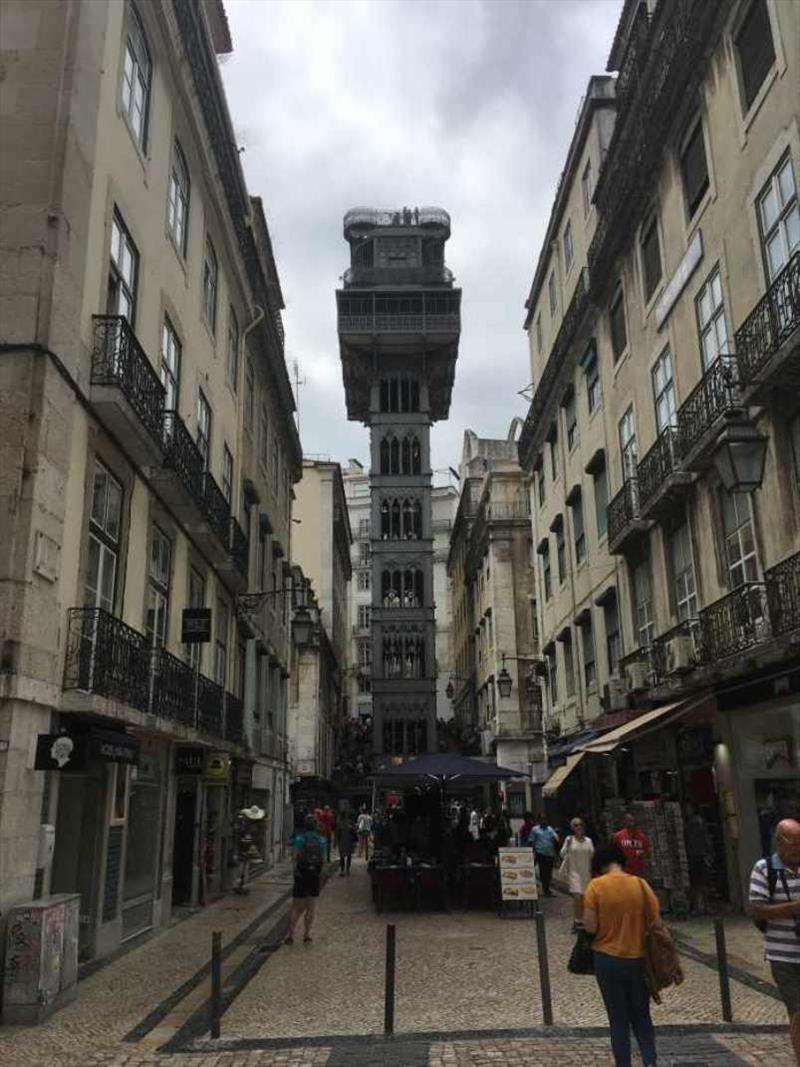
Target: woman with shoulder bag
(618, 910)
(576, 867)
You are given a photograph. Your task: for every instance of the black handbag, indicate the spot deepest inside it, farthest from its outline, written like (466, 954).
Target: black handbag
(581, 959)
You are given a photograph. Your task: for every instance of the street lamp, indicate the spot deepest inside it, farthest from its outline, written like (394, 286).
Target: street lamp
(302, 624)
(739, 457)
(505, 682)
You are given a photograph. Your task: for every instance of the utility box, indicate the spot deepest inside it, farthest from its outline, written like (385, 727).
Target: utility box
(41, 958)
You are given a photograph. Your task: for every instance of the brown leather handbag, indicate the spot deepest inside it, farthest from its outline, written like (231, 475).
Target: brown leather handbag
(661, 963)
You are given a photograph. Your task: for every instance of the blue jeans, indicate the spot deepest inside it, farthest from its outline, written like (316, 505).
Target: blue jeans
(627, 1000)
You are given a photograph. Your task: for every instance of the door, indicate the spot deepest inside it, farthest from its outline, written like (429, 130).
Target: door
(184, 843)
(143, 845)
(81, 803)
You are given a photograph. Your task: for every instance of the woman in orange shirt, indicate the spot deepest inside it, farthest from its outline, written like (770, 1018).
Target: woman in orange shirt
(616, 905)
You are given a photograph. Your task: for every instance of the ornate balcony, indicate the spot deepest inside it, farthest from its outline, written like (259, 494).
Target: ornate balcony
(237, 564)
(173, 688)
(106, 657)
(677, 651)
(432, 274)
(211, 529)
(210, 700)
(362, 315)
(625, 520)
(713, 403)
(234, 719)
(736, 623)
(661, 476)
(768, 341)
(783, 595)
(125, 389)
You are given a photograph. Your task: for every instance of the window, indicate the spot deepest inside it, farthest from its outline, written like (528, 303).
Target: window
(364, 554)
(627, 445)
(569, 252)
(123, 272)
(651, 257)
(547, 580)
(158, 589)
(210, 282)
(178, 203)
(541, 492)
(203, 427)
(364, 616)
(694, 169)
(552, 674)
(619, 333)
(551, 289)
(740, 545)
(539, 344)
(643, 605)
(263, 562)
(263, 438)
(711, 319)
(683, 587)
(197, 599)
(363, 528)
(363, 580)
(587, 640)
(586, 187)
(779, 218)
(593, 394)
(664, 391)
(249, 396)
(613, 639)
(601, 500)
(232, 364)
(534, 621)
(104, 535)
(221, 644)
(170, 365)
(571, 419)
(365, 654)
(227, 473)
(561, 552)
(553, 442)
(569, 666)
(137, 70)
(756, 50)
(577, 528)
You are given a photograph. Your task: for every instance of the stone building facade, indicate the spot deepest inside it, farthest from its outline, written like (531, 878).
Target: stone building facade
(399, 323)
(663, 436)
(147, 454)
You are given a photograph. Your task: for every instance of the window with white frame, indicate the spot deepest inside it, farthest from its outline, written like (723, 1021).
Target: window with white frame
(740, 544)
(664, 392)
(232, 361)
(178, 199)
(123, 272)
(210, 285)
(137, 73)
(569, 252)
(650, 254)
(170, 365)
(587, 187)
(364, 577)
(104, 538)
(364, 616)
(552, 293)
(204, 427)
(587, 641)
(158, 589)
(713, 328)
(643, 605)
(682, 564)
(365, 653)
(227, 473)
(779, 217)
(756, 50)
(627, 444)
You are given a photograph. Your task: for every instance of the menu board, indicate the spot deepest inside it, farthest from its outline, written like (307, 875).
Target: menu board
(517, 874)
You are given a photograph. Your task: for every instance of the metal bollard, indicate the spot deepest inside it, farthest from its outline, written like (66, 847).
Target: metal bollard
(216, 981)
(388, 1003)
(722, 968)
(544, 967)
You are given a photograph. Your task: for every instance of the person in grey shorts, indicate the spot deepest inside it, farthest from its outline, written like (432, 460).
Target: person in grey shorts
(775, 906)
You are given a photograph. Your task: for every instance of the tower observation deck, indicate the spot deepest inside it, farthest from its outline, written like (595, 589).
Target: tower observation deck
(399, 320)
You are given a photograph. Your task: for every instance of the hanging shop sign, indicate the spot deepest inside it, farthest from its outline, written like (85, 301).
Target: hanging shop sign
(190, 760)
(60, 752)
(218, 767)
(112, 747)
(517, 874)
(196, 626)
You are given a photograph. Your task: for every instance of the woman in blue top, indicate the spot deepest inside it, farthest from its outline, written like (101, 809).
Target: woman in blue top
(309, 851)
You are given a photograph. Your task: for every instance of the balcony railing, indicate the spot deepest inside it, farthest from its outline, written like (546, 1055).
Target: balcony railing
(773, 320)
(216, 507)
(210, 698)
(239, 548)
(429, 274)
(658, 465)
(679, 649)
(409, 323)
(623, 512)
(234, 719)
(715, 397)
(634, 64)
(184, 457)
(783, 595)
(118, 359)
(173, 688)
(107, 657)
(735, 623)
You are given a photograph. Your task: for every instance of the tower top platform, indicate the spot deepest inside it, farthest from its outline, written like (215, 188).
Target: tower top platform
(360, 220)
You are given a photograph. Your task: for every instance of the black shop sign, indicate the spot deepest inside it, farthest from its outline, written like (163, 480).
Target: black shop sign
(72, 751)
(196, 626)
(190, 760)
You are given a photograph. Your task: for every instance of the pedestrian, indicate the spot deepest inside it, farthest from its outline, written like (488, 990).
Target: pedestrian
(524, 831)
(617, 911)
(308, 848)
(327, 825)
(576, 867)
(698, 856)
(544, 841)
(474, 824)
(364, 829)
(634, 843)
(345, 842)
(775, 906)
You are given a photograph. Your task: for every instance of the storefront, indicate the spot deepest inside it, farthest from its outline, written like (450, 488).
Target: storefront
(216, 828)
(144, 846)
(189, 764)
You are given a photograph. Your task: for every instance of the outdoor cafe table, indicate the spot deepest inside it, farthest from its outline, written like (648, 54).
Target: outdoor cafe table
(417, 884)
(483, 875)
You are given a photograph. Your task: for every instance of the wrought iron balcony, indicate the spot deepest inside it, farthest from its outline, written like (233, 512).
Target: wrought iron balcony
(210, 699)
(677, 651)
(363, 315)
(125, 389)
(783, 595)
(184, 458)
(106, 657)
(239, 549)
(625, 521)
(711, 404)
(234, 719)
(173, 688)
(735, 623)
(660, 474)
(768, 341)
(429, 274)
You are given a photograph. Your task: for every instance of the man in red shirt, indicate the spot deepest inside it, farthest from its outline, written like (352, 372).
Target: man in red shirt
(635, 844)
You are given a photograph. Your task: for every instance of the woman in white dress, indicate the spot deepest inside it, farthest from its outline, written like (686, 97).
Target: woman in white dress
(576, 858)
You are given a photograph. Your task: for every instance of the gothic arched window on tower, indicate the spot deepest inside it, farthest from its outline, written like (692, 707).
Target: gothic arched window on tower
(385, 456)
(385, 521)
(406, 455)
(394, 455)
(396, 534)
(416, 456)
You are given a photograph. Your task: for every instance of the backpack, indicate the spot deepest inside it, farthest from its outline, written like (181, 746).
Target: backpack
(311, 852)
(772, 882)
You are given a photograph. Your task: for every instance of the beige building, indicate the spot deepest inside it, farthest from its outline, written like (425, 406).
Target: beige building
(664, 430)
(321, 552)
(148, 449)
(494, 614)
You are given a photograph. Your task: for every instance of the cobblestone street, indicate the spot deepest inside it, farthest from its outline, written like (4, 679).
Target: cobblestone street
(467, 995)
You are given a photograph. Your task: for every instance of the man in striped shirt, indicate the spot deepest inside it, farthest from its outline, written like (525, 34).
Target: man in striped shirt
(775, 900)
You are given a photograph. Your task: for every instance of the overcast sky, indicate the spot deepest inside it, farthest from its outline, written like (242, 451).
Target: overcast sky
(464, 104)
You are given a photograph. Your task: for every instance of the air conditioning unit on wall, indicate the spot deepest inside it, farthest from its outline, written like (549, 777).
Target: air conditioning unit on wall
(637, 675)
(615, 695)
(680, 654)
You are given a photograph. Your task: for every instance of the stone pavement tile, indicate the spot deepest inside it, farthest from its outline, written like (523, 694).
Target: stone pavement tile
(756, 1049)
(745, 944)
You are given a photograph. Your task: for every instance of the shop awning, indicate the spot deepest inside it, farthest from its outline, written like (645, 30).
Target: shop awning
(569, 744)
(560, 775)
(642, 724)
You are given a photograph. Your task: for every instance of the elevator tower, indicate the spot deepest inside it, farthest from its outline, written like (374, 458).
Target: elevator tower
(399, 321)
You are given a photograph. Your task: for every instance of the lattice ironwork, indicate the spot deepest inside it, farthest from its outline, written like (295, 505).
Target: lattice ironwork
(774, 319)
(783, 595)
(210, 699)
(716, 396)
(173, 688)
(239, 548)
(106, 657)
(216, 508)
(735, 623)
(234, 719)
(656, 466)
(623, 510)
(118, 359)
(685, 637)
(184, 457)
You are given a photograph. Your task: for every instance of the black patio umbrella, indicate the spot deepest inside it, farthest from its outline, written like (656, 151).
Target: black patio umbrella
(445, 767)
